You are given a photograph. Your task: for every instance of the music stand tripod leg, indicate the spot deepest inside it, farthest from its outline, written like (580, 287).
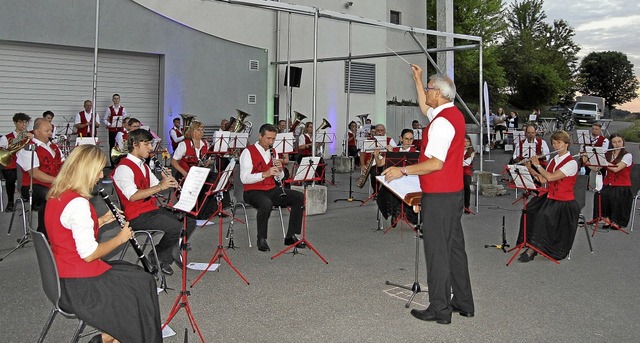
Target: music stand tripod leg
(415, 287)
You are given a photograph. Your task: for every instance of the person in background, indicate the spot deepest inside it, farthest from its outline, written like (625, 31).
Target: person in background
(500, 127)
(113, 119)
(10, 171)
(83, 121)
(467, 171)
(175, 134)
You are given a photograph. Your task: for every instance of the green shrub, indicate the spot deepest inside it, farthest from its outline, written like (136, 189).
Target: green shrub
(631, 133)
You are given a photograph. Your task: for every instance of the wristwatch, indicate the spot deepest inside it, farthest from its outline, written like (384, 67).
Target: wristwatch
(404, 171)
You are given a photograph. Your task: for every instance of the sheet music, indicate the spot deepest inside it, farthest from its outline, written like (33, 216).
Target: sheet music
(224, 177)
(221, 141)
(417, 134)
(117, 123)
(584, 137)
(521, 176)
(284, 143)
(307, 168)
(323, 137)
(86, 140)
(402, 186)
(382, 141)
(191, 188)
(238, 140)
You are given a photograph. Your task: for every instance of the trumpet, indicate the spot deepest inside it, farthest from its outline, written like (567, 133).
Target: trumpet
(163, 170)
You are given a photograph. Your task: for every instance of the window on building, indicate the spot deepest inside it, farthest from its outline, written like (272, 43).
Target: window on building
(394, 17)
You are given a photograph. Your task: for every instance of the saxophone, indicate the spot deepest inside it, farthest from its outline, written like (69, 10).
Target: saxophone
(364, 175)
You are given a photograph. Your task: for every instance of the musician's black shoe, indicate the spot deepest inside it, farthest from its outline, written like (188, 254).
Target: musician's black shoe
(263, 245)
(430, 316)
(166, 268)
(293, 240)
(462, 313)
(96, 339)
(9, 207)
(526, 257)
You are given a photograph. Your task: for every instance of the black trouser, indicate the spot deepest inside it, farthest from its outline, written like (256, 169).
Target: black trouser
(166, 221)
(10, 177)
(38, 201)
(112, 143)
(467, 191)
(263, 202)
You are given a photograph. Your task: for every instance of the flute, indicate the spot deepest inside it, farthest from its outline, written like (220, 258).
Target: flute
(164, 170)
(528, 159)
(146, 264)
(278, 181)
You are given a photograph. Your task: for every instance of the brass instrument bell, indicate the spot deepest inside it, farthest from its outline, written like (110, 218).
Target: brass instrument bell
(299, 118)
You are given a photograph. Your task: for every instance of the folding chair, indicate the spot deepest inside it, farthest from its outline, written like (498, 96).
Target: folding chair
(51, 287)
(635, 190)
(580, 192)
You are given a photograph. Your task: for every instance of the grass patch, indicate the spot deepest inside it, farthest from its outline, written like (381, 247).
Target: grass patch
(631, 133)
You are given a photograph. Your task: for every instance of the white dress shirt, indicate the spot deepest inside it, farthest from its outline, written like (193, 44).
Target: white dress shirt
(174, 136)
(107, 113)
(440, 134)
(246, 165)
(24, 156)
(87, 117)
(123, 177)
(76, 217)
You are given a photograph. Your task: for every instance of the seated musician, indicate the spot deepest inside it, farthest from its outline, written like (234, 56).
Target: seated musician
(388, 203)
(47, 161)
(10, 171)
(305, 142)
(352, 148)
(282, 126)
(116, 297)
(616, 195)
(258, 173)
(365, 158)
(552, 217)
(531, 145)
(467, 171)
(595, 139)
(136, 186)
(191, 151)
(120, 141)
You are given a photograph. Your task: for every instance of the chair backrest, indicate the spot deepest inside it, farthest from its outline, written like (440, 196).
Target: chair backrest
(48, 267)
(635, 179)
(580, 190)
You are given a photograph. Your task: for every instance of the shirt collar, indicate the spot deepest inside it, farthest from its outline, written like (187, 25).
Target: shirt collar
(135, 159)
(434, 113)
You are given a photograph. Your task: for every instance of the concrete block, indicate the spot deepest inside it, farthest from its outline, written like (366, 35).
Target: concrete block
(485, 177)
(342, 164)
(316, 201)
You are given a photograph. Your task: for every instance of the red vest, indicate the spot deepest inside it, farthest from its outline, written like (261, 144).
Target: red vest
(12, 164)
(562, 189)
(352, 139)
(190, 158)
(599, 141)
(63, 246)
(132, 209)
(174, 144)
(411, 149)
(621, 178)
(49, 165)
(112, 114)
(307, 151)
(449, 179)
(259, 166)
(85, 131)
(467, 170)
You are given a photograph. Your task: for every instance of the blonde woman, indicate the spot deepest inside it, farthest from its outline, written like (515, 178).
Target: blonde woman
(191, 150)
(98, 292)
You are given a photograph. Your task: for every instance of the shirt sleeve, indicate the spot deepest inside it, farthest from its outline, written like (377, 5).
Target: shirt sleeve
(545, 148)
(627, 159)
(24, 160)
(76, 217)
(570, 169)
(179, 152)
(106, 117)
(246, 166)
(123, 178)
(467, 162)
(441, 134)
(4, 142)
(77, 120)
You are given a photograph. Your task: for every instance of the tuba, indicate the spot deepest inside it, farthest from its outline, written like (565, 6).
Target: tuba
(363, 118)
(299, 118)
(239, 124)
(14, 146)
(186, 120)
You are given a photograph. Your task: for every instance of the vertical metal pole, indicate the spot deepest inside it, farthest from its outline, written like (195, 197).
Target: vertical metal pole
(480, 109)
(345, 148)
(95, 73)
(288, 77)
(315, 80)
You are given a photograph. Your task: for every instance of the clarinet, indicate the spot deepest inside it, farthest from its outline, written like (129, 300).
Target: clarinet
(164, 170)
(278, 181)
(148, 267)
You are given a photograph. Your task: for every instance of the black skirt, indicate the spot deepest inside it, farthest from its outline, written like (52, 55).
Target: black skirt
(616, 204)
(551, 225)
(122, 302)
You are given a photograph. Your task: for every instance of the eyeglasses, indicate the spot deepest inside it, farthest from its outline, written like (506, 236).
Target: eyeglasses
(427, 88)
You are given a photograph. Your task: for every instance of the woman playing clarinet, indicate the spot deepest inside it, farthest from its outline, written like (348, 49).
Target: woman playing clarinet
(467, 171)
(116, 297)
(552, 217)
(616, 191)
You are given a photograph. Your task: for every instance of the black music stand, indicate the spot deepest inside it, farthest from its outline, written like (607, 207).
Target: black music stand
(222, 184)
(596, 156)
(400, 159)
(323, 138)
(522, 179)
(306, 173)
(350, 197)
(182, 300)
(413, 199)
(370, 145)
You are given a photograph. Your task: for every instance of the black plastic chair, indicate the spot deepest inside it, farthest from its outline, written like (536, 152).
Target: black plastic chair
(635, 187)
(51, 286)
(580, 193)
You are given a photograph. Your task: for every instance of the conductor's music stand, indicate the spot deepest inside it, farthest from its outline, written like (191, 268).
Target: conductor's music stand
(413, 199)
(522, 179)
(222, 184)
(189, 205)
(306, 173)
(399, 159)
(596, 156)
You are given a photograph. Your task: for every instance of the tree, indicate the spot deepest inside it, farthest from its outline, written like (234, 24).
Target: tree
(608, 74)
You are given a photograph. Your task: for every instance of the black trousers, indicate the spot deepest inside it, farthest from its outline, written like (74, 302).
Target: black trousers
(467, 191)
(39, 201)
(10, 177)
(263, 202)
(167, 221)
(112, 143)
(445, 255)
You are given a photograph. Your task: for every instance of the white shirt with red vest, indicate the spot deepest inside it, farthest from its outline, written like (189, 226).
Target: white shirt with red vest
(113, 117)
(176, 137)
(187, 155)
(247, 163)
(562, 189)
(47, 157)
(444, 140)
(82, 118)
(4, 143)
(621, 178)
(120, 138)
(127, 184)
(526, 149)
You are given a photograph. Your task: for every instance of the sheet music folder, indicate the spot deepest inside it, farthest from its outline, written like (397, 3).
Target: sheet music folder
(406, 188)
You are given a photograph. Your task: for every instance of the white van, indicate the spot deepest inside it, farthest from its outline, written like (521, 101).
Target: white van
(586, 112)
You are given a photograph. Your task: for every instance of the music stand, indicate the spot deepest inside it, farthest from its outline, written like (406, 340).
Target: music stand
(583, 137)
(188, 204)
(306, 173)
(522, 179)
(413, 199)
(596, 156)
(323, 138)
(222, 184)
(398, 159)
(371, 145)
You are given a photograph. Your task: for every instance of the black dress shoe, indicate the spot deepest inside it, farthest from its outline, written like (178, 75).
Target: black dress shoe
(166, 268)
(293, 240)
(96, 339)
(9, 207)
(525, 257)
(462, 313)
(262, 244)
(429, 317)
